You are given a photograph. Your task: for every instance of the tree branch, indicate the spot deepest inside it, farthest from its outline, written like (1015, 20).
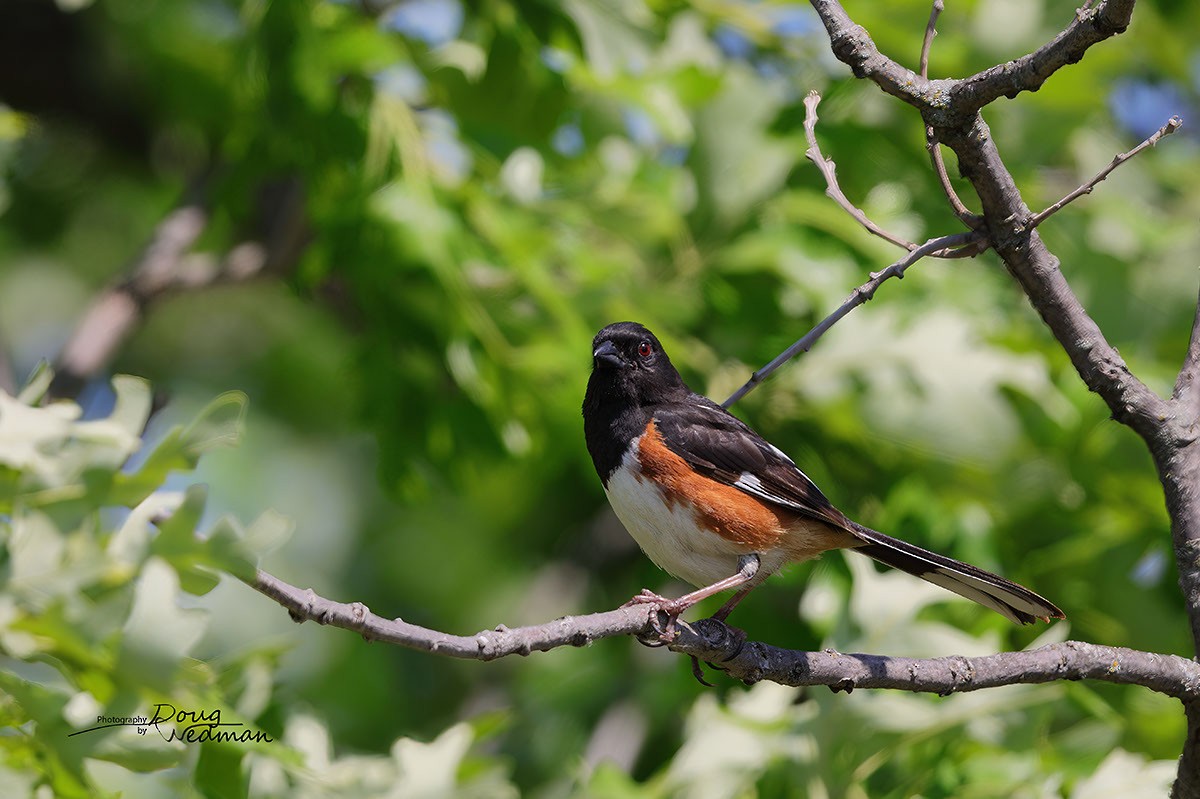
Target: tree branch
(833, 190)
(751, 661)
(1169, 427)
(964, 242)
(946, 103)
(931, 143)
(716, 643)
(306, 605)
(1008, 218)
(1027, 74)
(117, 309)
(930, 31)
(1173, 124)
(1187, 390)
(853, 46)
(829, 171)
(1099, 364)
(939, 168)
(166, 266)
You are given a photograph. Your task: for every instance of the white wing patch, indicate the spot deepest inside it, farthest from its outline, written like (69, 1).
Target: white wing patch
(749, 482)
(752, 485)
(783, 455)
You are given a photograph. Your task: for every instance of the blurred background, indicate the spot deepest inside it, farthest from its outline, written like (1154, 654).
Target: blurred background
(396, 227)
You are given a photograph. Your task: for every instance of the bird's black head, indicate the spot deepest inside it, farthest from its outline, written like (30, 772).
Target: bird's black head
(630, 366)
(630, 375)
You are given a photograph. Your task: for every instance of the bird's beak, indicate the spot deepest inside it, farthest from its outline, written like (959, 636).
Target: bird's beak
(607, 355)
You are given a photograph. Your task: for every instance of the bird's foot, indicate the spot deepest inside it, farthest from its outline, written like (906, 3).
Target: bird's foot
(662, 625)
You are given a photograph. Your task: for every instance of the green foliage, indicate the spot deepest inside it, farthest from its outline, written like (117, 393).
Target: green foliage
(96, 628)
(477, 205)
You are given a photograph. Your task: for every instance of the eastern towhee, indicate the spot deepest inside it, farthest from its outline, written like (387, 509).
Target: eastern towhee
(715, 504)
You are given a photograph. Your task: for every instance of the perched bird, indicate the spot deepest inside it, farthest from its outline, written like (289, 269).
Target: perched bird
(715, 504)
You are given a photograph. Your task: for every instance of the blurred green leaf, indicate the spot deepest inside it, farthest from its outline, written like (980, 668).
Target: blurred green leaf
(218, 424)
(158, 633)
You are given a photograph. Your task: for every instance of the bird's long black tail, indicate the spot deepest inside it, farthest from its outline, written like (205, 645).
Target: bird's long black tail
(990, 590)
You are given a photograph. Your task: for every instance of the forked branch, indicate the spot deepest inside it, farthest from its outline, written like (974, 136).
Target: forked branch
(948, 103)
(833, 190)
(931, 143)
(828, 170)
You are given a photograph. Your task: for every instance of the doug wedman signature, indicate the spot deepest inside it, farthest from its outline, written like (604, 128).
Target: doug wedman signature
(189, 726)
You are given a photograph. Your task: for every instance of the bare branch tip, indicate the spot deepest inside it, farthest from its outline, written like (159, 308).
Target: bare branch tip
(1173, 124)
(930, 32)
(829, 171)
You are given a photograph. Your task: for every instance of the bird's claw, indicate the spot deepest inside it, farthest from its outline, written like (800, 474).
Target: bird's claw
(661, 632)
(646, 597)
(698, 672)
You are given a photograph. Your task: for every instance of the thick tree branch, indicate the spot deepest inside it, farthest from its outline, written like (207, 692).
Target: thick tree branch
(963, 241)
(1187, 385)
(1028, 73)
(854, 47)
(750, 661)
(953, 102)
(1037, 271)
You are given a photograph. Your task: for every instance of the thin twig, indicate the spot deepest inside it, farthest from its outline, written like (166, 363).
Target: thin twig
(726, 647)
(1173, 124)
(930, 31)
(834, 191)
(963, 241)
(829, 171)
(931, 143)
(939, 168)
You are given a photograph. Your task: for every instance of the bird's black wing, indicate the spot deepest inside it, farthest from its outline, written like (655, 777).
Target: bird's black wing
(720, 446)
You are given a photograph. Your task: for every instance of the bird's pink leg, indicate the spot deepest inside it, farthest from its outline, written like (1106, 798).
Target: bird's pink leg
(747, 568)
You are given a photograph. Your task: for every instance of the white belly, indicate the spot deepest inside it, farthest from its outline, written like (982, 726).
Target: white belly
(668, 534)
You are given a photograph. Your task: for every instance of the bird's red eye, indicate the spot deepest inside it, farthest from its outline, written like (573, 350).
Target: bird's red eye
(644, 349)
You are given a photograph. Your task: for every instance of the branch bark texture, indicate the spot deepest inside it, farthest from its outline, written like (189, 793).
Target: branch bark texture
(750, 661)
(950, 108)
